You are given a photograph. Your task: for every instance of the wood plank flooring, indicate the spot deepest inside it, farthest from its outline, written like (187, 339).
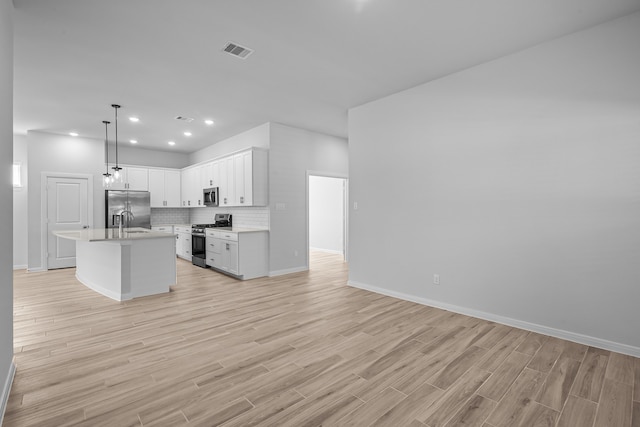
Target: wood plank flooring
(298, 350)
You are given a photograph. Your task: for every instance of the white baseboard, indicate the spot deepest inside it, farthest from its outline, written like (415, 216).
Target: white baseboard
(102, 291)
(35, 270)
(20, 267)
(328, 251)
(520, 324)
(4, 398)
(288, 271)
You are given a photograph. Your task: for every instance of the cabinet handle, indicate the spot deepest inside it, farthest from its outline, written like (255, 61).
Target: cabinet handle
(227, 246)
(189, 202)
(225, 200)
(241, 199)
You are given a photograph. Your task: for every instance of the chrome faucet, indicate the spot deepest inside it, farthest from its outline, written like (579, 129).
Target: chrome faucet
(121, 215)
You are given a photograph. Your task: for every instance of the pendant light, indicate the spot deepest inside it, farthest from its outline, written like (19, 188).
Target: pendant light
(108, 178)
(117, 176)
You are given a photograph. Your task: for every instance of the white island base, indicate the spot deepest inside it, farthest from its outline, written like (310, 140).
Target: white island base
(127, 269)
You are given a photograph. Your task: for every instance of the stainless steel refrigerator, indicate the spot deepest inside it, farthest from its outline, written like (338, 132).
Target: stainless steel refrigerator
(136, 206)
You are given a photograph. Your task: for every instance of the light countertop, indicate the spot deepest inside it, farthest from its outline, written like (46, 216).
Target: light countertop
(111, 234)
(237, 229)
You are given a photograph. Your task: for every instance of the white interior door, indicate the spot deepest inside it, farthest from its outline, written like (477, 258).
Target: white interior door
(67, 209)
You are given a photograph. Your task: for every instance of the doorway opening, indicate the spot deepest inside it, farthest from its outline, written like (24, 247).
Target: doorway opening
(327, 216)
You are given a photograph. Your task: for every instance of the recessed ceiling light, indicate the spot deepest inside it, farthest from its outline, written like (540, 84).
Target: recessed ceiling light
(133, 141)
(208, 122)
(134, 119)
(73, 134)
(172, 143)
(187, 133)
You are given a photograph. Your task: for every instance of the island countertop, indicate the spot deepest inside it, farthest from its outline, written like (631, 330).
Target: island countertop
(111, 234)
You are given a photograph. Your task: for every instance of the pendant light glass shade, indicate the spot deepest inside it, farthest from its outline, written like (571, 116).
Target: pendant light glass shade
(117, 176)
(107, 178)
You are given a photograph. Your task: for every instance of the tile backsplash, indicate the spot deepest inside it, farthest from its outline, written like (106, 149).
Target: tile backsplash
(170, 216)
(255, 217)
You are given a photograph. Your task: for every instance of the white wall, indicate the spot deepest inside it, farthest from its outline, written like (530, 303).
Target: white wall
(518, 182)
(6, 190)
(256, 137)
(293, 152)
(131, 155)
(20, 204)
(326, 213)
(62, 153)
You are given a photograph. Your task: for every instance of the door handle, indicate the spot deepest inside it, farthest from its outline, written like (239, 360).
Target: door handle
(85, 226)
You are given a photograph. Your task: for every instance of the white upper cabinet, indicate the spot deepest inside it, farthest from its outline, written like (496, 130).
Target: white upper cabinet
(196, 188)
(192, 187)
(227, 187)
(172, 188)
(251, 178)
(207, 175)
(133, 178)
(242, 180)
(186, 184)
(164, 186)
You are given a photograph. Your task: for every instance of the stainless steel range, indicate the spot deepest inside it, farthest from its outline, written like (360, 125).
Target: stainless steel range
(198, 238)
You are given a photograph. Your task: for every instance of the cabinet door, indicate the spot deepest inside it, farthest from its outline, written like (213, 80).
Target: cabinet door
(206, 175)
(231, 256)
(187, 245)
(171, 188)
(137, 179)
(227, 198)
(196, 187)
(243, 173)
(215, 173)
(238, 179)
(186, 184)
(157, 188)
(216, 250)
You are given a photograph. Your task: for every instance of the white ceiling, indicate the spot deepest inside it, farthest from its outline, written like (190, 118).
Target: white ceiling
(313, 59)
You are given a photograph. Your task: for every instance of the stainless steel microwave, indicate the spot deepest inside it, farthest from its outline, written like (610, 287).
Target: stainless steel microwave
(210, 196)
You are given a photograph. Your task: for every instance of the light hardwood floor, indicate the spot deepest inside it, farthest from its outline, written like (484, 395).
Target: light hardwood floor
(298, 350)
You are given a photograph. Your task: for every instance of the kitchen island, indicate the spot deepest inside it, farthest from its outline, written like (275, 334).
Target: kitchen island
(125, 264)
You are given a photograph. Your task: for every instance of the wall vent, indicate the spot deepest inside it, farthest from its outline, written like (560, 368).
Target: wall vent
(237, 50)
(184, 119)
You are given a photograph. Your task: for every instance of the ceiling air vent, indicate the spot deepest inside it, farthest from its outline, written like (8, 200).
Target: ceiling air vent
(184, 119)
(237, 50)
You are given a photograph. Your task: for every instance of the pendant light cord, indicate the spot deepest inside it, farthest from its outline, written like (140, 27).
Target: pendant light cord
(106, 145)
(116, 106)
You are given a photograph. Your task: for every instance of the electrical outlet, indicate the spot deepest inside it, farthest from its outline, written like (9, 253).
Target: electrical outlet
(355, 206)
(436, 279)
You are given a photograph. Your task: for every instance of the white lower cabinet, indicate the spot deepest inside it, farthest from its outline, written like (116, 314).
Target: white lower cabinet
(241, 254)
(183, 245)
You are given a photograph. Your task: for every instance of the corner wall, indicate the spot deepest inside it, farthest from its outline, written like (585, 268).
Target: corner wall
(293, 152)
(517, 182)
(6, 195)
(20, 223)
